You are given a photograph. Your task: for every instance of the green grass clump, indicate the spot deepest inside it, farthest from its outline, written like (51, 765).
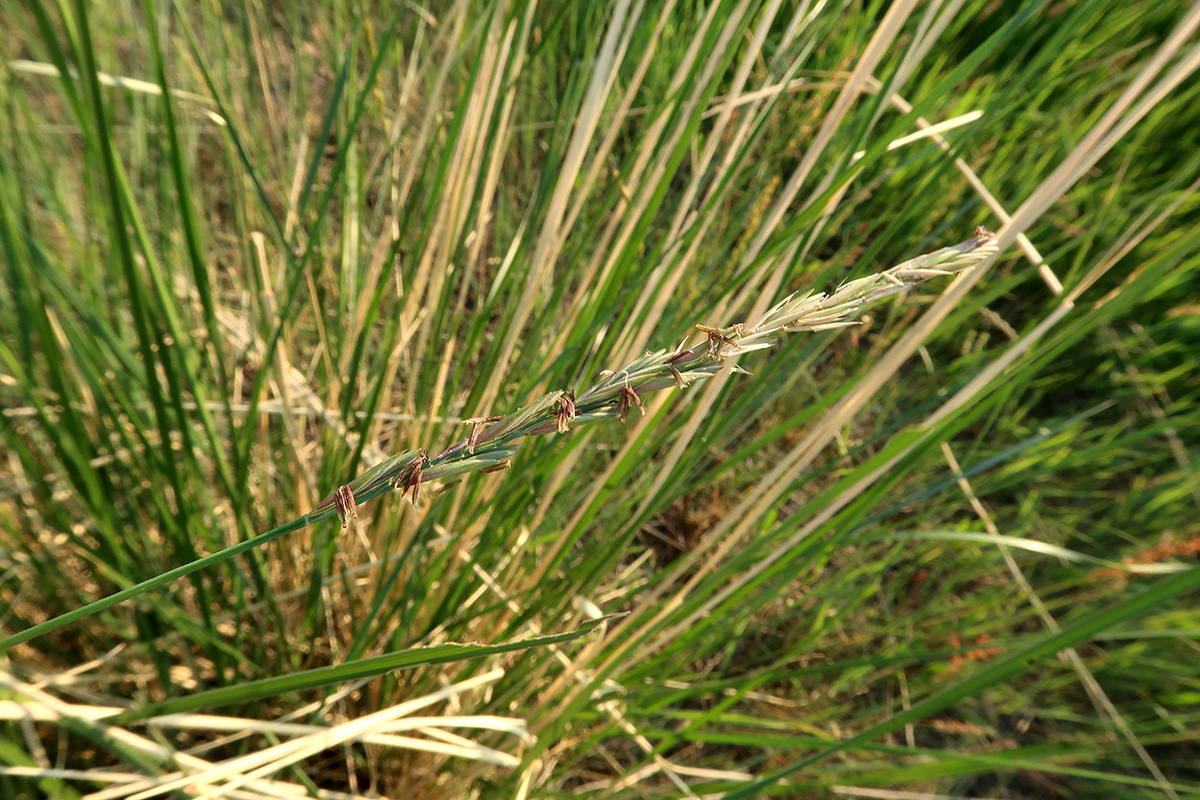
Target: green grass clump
(265, 264)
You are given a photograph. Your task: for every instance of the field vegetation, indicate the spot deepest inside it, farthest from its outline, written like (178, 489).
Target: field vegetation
(617, 399)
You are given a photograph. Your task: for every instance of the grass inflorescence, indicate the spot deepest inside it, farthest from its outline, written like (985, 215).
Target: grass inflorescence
(493, 440)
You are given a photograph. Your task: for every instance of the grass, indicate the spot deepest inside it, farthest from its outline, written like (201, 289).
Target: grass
(256, 254)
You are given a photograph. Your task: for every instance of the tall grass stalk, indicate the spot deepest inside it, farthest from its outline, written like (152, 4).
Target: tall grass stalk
(250, 253)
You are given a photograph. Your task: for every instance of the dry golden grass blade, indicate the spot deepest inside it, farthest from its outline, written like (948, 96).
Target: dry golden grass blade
(391, 157)
(881, 41)
(453, 24)
(121, 82)
(459, 186)
(285, 376)
(658, 292)
(51, 708)
(1047, 274)
(573, 674)
(1118, 119)
(622, 219)
(646, 176)
(754, 288)
(234, 773)
(550, 237)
